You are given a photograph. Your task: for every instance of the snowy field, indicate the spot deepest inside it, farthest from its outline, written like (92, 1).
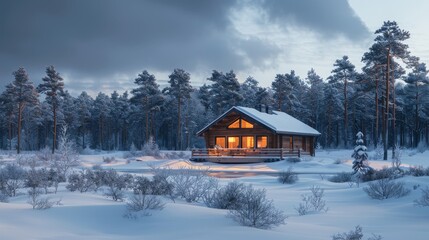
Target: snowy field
(93, 216)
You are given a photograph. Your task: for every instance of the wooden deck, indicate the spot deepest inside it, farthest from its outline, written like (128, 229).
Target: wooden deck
(243, 155)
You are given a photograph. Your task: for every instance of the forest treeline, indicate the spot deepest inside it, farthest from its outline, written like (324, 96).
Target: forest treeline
(386, 102)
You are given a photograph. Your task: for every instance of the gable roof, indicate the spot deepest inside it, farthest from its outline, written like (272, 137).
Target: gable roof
(279, 122)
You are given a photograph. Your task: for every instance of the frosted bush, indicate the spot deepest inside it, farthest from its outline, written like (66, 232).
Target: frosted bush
(227, 197)
(191, 184)
(386, 188)
(354, 235)
(39, 203)
(423, 201)
(313, 202)
(141, 204)
(257, 211)
(288, 177)
(151, 148)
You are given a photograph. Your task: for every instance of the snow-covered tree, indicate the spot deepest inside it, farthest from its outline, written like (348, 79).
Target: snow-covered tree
(343, 75)
(224, 92)
(83, 105)
(53, 87)
(180, 89)
(148, 96)
(360, 164)
(24, 94)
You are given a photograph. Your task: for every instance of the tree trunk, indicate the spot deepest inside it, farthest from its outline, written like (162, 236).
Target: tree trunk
(20, 109)
(179, 137)
(345, 112)
(54, 137)
(376, 112)
(386, 110)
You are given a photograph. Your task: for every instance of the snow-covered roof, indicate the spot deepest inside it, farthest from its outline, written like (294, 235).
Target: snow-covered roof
(279, 122)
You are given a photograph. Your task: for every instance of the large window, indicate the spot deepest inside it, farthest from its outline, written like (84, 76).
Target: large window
(220, 142)
(247, 142)
(240, 123)
(262, 142)
(233, 142)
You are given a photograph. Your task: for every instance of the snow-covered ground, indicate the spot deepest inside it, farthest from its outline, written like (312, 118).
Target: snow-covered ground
(92, 216)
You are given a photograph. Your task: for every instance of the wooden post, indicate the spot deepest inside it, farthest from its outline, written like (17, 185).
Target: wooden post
(281, 153)
(299, 152)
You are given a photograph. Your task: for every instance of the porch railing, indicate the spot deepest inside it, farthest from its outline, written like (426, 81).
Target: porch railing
(244, 152)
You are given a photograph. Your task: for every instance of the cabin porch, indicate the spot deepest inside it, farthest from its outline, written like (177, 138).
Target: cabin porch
(244, 155)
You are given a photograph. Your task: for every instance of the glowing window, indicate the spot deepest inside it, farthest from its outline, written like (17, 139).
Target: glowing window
(247, 142)
(262, 141)
(235, 124)
(246, 124)
(240, 123)
(220, 141)
(233, 142)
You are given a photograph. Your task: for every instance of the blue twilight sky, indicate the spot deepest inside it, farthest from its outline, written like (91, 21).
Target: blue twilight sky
(101, 45)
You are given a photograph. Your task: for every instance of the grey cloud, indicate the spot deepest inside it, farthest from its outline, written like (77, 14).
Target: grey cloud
(96, 39)
(329, 18)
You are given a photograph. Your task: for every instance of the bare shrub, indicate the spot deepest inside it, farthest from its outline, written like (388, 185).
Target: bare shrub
(67, 156)
(191, 184)
(287, 177)
(37, 202)
(3, 197)
(44, 155)
(397, 160)
(109, 159)
(11, 179)
(257, 211)
(29, 160)
(313, 202)
(341, 177)
(385, 172)
(150, 148)
(386, 188)
(141, 204)
(423, 201)
(227, 197)
(38, 178)
(418, 171)
(83, 181)
(116, 184)
(354, 235)
(338, 161)
(157, 186)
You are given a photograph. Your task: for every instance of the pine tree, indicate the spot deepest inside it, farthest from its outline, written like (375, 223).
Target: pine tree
(281, 88)
(83, 105)
(343, 75)
(53, 87)
(224, 92)
(314, 98)
(24, 94)
(180, 89)
(360, 164)
(148, 96)
(416, 96)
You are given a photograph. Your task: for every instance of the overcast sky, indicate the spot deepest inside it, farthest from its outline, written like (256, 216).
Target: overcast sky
(101, 45)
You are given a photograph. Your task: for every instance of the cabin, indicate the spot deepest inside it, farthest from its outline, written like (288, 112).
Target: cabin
(245, 135)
